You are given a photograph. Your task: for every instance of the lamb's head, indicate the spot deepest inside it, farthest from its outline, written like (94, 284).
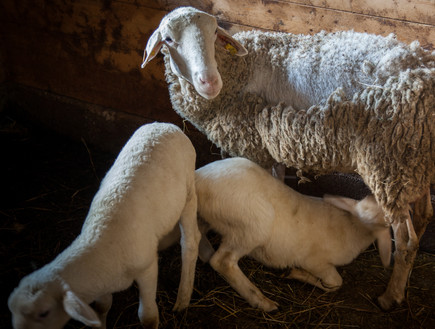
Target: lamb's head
(47, 304)
(371, 215)
(190, 36)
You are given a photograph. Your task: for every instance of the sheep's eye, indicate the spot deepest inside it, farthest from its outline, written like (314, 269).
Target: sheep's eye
(168, 39)
(43, 315)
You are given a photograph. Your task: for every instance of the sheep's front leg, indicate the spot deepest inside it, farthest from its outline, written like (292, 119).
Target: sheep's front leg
(102, 307)
(423, 213)
(329, 280)
(147, 282)
(406, 242)
(190, 237)
(224, 261)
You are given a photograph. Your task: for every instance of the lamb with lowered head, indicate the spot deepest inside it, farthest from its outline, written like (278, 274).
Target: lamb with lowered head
(118, 244)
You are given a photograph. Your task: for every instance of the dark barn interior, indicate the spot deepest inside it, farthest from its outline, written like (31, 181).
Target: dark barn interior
(71, 94)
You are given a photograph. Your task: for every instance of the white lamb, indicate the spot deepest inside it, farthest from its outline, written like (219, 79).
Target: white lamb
(147, 192)
(259, 216)
(330, 102)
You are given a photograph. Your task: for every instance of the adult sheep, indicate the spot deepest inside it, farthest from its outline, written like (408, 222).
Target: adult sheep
(342, 101)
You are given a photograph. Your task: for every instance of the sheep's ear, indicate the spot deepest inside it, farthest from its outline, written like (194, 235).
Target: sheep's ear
(341, 202)
(79, 310)
(152, 48)
(229, 43)
(383, 238)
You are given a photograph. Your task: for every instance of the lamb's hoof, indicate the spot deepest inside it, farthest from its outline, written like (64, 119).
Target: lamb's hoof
(151, 323)
(268, 305)
(181, 304)
(328, 288)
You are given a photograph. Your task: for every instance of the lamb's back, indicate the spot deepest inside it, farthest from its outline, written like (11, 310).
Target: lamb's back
(155, 167)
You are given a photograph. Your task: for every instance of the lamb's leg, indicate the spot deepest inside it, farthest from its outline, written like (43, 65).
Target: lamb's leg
(224, 261)
(206, 250)
(170, 239)
(278, 171)
(102, 307)
(406, 242)
(328, 281)
(147, 282)
(190, 237)
(224, 154)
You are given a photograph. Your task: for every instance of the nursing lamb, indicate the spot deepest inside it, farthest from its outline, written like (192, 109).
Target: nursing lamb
(149, 190)
(259, 216)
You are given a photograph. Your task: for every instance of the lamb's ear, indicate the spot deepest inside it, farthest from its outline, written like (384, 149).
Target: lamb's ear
(229, 43)
(341, 202)
(79, 310)
(383, 238)
(152, 48)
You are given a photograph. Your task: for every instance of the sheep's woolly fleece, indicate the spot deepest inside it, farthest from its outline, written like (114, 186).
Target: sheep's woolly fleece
(387, 135)
(386, 132)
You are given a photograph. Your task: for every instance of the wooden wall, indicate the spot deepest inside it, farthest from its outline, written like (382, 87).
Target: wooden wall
(75, 65)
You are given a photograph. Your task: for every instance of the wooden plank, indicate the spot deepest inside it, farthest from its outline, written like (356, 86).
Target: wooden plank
(57, 65)
(122, 27)
(106, 128)
(2, 69)
(295, 18)
(420, 11)
(89, 53)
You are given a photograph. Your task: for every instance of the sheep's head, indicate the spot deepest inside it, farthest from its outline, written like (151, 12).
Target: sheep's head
(37, 304)
(191, 36)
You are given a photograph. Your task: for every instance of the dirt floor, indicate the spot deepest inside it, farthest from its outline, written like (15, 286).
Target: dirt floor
(48, 183)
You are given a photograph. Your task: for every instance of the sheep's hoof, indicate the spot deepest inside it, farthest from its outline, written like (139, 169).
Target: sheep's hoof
(387, 302)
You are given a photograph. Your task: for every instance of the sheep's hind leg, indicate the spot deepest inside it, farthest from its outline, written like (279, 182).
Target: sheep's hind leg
(190, 237)
(406, 242)
(224, 261)
(329, 280)
(147, 282)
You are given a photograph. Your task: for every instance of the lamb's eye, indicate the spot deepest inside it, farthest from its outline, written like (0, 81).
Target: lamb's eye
(168, 39)
(44, 314)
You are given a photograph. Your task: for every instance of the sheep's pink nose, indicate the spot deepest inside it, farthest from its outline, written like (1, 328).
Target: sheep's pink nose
(208, 80)
(208, 83)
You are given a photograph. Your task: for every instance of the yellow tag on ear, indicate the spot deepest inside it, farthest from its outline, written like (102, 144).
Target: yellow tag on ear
(231, 49)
